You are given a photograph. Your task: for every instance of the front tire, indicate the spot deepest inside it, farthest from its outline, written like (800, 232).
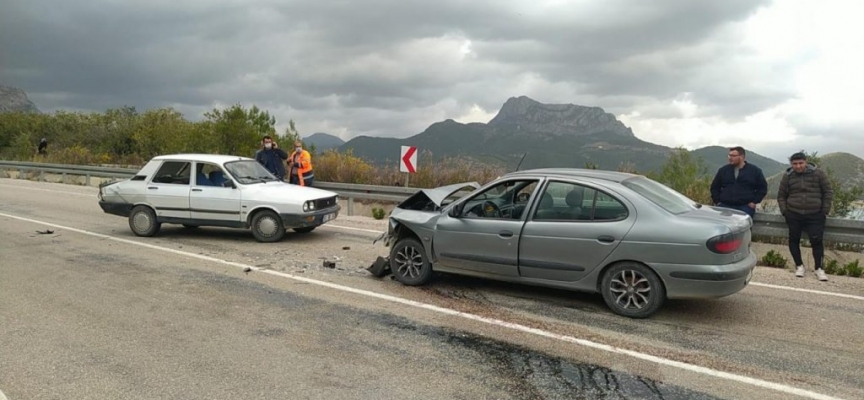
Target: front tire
(409, 264)
(632, 290)
(305, 229)
(142, 221)
(267, 227)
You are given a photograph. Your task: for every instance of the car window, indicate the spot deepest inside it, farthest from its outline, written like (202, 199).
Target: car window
(173, 172)
(566, 201)
(505, 200)
(661, 195)
(249, 171)
(209, 174)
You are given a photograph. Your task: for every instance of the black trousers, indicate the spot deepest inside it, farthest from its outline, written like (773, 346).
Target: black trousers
(814, 225)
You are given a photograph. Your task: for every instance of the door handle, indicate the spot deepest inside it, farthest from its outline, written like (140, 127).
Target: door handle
(197, 190)
(152, 188)
(505, 234)
(606, 239)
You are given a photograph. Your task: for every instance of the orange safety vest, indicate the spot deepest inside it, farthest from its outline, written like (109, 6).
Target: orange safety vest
(303, 165)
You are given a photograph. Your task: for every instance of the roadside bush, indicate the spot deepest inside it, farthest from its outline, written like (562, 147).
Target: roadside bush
(832, 267)
(853, 269)
(378, 213)
(773, 259)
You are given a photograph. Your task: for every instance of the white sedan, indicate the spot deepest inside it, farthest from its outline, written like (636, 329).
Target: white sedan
(216, 190)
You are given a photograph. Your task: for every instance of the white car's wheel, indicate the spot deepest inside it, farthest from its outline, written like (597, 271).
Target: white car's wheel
(267, 226)
(142, 221)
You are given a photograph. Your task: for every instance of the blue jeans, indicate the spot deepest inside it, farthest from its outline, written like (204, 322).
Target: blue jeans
(743, 207)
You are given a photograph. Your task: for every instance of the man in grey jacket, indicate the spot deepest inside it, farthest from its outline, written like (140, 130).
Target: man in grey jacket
(805, 197)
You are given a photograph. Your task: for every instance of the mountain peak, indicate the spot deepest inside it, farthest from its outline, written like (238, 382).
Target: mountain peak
(13, 100)
(558, 119)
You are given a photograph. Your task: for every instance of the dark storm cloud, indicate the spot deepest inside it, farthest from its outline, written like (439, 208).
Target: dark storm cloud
(378, 67)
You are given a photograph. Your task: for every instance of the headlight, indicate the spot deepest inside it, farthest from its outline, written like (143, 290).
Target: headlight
(309, 205)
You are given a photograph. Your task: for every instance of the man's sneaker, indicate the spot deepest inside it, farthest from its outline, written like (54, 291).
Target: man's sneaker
(821, 275)
(799, 271)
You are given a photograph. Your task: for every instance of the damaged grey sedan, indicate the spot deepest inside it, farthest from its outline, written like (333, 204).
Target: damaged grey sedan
(633, 240)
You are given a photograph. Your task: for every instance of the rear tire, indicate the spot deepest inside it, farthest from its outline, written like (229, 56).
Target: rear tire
(142, 221)
(409, 264)
(305, 229)
(632, 290)
(267, 226)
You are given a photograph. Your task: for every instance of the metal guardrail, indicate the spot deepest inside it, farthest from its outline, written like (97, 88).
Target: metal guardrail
(768, 225)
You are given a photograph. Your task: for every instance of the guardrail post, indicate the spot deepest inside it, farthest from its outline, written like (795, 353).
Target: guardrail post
(350, 206)
(87, 180)
(64, 178)
(20, 173)
(41, 175)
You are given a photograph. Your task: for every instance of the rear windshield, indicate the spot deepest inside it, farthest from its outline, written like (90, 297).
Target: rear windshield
(660, 194)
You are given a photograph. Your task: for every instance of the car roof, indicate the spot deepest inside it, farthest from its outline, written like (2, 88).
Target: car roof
(211, 158)
(612, 176)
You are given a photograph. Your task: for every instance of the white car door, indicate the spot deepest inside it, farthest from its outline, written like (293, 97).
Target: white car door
(209, 200)
(168, 190)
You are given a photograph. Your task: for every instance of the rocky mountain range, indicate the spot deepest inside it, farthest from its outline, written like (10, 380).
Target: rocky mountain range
(553, 135)
(322, 141)
(14, 99)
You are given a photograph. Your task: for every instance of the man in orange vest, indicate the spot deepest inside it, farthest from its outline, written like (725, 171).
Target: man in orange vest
(300, 166)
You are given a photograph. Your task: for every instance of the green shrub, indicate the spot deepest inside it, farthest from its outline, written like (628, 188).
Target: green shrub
(773, 259)
(854, 270)
(378, 213)
(831, 266)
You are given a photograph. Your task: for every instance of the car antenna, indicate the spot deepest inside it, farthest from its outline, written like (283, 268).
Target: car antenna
(520, 161)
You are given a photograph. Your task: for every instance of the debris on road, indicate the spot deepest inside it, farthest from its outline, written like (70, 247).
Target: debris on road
(329, 264)
(346, 248)
(247, 269)
(45, 232)
(380, 267)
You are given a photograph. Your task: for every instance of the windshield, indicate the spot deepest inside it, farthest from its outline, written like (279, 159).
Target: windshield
(660, 194)
(249, 171)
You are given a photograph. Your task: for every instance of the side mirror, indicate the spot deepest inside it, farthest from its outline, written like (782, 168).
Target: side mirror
(229, 183)
(455, 211)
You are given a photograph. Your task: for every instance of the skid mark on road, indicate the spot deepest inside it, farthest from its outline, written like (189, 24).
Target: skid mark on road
(491, 321)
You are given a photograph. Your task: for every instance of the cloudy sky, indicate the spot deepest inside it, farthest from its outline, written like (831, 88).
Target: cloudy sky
(773, 76)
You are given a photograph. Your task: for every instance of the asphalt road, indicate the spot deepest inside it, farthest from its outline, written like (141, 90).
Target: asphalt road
(91, 311)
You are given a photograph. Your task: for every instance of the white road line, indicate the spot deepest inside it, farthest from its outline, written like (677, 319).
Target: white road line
(491, 321)
(351, 228)
(848, 296)
(93, 195)
(766, 285)
(3, 396)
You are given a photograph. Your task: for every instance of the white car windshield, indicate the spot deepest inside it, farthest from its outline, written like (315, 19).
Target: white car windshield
(249, 171)
(661, 195)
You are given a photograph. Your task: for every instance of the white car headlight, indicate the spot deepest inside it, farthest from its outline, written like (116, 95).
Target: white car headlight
(309, 205)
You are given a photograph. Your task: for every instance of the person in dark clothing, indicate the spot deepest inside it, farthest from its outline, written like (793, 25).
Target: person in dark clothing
(804, 198)
(739, 185)
(272, 157)
(43, 147)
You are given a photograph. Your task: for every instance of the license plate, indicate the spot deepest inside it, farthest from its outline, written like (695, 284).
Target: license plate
(329, 217)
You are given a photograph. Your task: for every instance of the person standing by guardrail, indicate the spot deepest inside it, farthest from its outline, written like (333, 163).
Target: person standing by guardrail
(272, 157)
(300, 166)
(804, 198)
(42, 149)
(739, 185)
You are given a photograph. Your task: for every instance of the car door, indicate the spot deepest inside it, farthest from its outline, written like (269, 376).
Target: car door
(209, 200)
(168, 190)
(573, 234)
(483, 236)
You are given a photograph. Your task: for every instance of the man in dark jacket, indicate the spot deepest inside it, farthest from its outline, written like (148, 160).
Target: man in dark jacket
(804, 198)
(739, 184)
(272, 157)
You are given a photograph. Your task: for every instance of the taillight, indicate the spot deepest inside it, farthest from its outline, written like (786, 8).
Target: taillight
(725, 244)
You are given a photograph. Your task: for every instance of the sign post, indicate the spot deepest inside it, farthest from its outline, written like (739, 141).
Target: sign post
(408, 161)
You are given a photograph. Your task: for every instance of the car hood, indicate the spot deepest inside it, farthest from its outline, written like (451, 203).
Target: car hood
(282, 190)
(422, 209)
